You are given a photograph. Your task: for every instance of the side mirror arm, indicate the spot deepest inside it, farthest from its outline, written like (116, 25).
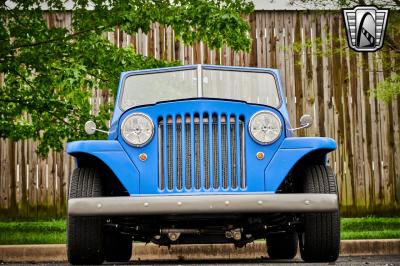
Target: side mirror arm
(305, 122)
(90, 128)
(301, 127)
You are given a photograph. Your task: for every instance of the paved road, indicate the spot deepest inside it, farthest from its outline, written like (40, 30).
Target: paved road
(367, 260)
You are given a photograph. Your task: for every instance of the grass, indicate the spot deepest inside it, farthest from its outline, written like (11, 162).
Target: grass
(53, 231)
(33, 232)
(370, 228)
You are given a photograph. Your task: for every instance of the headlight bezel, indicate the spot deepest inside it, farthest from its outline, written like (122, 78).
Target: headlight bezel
(126, 119)
(268, 113)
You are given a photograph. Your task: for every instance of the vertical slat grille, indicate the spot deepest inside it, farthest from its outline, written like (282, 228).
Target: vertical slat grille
(179, 152)
(224, 150)
(233, 154)
(215, 150)
(206, 152)
(204, 157)
(170, 157)
(197, 165)
(242, 163)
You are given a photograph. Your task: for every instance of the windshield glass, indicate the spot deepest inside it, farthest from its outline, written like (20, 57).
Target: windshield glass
(156, 87)
(252, 87)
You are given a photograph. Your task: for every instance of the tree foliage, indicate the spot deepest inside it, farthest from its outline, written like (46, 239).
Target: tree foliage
(49, 72)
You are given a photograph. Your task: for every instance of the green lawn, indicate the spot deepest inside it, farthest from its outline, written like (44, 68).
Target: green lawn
(52, 232)
(32, 232)
(370, 228)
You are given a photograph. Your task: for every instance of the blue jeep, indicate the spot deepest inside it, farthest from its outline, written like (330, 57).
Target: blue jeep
(202, 154)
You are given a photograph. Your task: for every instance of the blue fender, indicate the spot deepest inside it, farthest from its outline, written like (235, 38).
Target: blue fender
(113, 155)
(289, 153)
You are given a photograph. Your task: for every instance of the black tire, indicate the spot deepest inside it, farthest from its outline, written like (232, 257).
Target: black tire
(118, 247)
(85, 234)
(320, 240)
(282, 246)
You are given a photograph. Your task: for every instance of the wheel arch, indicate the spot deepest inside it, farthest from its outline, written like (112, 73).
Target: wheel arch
(293, 153)
(318, 156)
(111, 181)
(111, 156)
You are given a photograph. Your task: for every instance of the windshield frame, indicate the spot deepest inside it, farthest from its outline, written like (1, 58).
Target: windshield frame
(199, 68)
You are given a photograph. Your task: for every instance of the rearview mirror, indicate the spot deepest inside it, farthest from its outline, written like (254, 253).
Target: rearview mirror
(306, 121)
(90, 127)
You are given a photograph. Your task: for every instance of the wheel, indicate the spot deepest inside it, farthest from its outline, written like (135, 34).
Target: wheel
(118, 247)
(282, 246)
(320, 239)
(85, 234)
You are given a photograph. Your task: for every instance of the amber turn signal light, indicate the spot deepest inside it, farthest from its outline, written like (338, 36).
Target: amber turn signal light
(260, 155)
(143, 157)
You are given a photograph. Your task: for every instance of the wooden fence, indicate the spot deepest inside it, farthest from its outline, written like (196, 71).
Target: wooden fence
(324, 79)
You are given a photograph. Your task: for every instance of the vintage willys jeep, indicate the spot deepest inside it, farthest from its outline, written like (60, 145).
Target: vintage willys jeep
(202, 154)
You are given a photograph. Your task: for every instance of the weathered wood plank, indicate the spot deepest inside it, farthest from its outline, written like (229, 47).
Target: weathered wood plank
(384, 145)
(298, 84)
(23, 209)
(33, 183)
(254, 21)
(318, 77)
(291, 89)
(289, 64)
(4, 181)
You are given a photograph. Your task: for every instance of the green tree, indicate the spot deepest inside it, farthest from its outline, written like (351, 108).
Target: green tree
(390, 87)
(50, 72)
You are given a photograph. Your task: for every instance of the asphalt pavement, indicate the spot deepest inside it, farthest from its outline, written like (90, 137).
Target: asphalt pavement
(358, 260)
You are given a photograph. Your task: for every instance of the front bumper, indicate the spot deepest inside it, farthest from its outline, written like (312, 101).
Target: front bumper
(203, 204)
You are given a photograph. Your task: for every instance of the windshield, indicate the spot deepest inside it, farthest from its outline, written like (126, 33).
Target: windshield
(252, 87)
(157, 87)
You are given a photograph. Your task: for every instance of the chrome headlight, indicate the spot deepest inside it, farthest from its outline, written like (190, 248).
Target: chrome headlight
(265, 127)
(137, 129)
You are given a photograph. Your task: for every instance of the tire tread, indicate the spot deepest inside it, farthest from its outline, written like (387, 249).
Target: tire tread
(84, 234)
(321, 230)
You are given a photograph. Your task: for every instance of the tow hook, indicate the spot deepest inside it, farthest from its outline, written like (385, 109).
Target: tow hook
(235, 234)
(174, 236)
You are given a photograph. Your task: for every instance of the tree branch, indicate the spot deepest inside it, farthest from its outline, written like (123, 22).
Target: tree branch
(27, 104)
(70, 36)
(397, 2)
(20, 102)
(22, 77)
(87, 72)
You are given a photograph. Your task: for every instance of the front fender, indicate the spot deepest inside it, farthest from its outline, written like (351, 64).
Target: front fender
(289, 153)
(113, 155)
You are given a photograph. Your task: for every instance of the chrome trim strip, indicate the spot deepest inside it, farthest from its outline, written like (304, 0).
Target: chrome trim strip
(243, 155)
(201, 204)
(199, 81)
(161, 185)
